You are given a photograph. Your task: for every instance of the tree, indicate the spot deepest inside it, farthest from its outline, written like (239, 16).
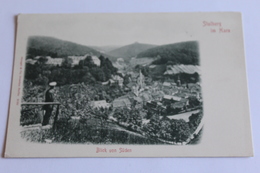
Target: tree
(89, 62)
(194, 120)
(67, 62)
(81, 63)
(30, 72)
(170, 63)
(42, 60)
(98, 74)
(180, 130)
(107, 73)
(126, 79)
(41, 80)
(193, 101)
(102, 61)
(110, 66)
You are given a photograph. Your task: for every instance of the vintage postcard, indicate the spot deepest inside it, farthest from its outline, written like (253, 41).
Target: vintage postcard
(129, 85)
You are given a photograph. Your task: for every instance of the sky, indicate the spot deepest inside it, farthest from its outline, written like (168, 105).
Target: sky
(111, 29)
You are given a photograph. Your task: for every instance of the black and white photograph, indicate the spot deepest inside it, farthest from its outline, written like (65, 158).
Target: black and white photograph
(133, 94)
(129, 85)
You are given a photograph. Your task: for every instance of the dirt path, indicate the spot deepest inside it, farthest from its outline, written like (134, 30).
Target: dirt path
(185, 116)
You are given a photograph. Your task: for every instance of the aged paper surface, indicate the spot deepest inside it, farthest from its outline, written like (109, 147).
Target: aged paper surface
(129, 85)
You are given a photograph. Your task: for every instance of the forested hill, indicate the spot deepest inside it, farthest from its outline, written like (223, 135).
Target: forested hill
(177, 53)
(49, 46)
(104, 49)
(130, 50)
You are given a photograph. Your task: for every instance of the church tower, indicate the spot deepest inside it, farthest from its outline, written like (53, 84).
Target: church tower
(179, 81)
(140, 80)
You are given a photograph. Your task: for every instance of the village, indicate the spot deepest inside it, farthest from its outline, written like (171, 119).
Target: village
(165, 98)
(139, 101)
(160, 98)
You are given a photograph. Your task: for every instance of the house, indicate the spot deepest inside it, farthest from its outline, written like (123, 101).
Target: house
(54, 61)
(167, 91)
(105, 83)
(131, 95)
(134, 76)
(194, 94)
(199, 97)
(37, 57)
(179, 105)
(174, 85)
(138, 102)
(76, 59)
(99, 104)
(123, 97)
(138, 78)
(156, 96)
(185, 101)
(152, 66)
(96, 60)
(167, 85)
(181, 95)
(138, 99)
(30, 61)
(176, 69)
(151, 105)
(135, 90)
(109, 82)
(120, 64)
(147, 88)
(130, 85)
(168, 99)
(146, 97)
(119, 79)
(155, 106)
(121, 102)
(194, 88)
(174, 91)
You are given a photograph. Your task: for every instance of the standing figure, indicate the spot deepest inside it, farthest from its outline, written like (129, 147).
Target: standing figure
(49, 97)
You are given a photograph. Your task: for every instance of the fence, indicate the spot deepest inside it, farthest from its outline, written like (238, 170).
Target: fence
(42, 104)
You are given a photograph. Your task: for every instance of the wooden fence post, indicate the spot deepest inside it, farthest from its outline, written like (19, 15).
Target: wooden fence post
(55, 118)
